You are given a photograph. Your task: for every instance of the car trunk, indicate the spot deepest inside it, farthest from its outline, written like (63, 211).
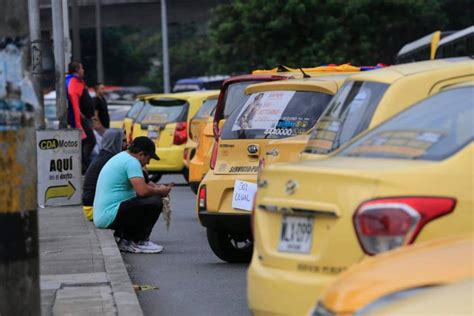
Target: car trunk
(302, 227)
(158, 120)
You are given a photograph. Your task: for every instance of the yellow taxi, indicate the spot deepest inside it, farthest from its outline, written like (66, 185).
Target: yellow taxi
(407, 180)
(117, 116)
(231, 95)
(165, 119)
(197, 125)
(421, 279)
(133, 113)
(367, 99)
(199, 163)
(273, 110)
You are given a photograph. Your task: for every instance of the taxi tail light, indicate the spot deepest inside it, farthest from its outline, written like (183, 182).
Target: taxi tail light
(385, 224)
(202, 198)
(213, 161)
(180, 133)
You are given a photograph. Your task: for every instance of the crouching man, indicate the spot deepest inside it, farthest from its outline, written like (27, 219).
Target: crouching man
(125, 203)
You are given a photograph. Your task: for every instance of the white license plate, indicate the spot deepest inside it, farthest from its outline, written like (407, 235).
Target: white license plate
(153, 134)
(296, 234)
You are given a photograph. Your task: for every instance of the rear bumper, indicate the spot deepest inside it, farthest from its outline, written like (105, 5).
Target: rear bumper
(171, 160)
(273, 291)
(232, 223)
(196, 168)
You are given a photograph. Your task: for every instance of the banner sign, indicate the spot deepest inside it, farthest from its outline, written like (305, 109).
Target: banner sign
(59, 167)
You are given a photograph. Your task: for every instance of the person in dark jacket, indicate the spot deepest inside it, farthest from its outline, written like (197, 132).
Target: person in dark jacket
(100, 105)
(113, 142)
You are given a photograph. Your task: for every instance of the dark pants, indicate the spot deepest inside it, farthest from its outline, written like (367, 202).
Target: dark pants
(136, 217)
(88, 144)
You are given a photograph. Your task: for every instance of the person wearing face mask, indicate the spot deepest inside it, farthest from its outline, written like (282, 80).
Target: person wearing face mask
(127, 204)
(113, 142)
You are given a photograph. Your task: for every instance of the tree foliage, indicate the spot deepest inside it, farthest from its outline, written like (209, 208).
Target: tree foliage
(250, 34)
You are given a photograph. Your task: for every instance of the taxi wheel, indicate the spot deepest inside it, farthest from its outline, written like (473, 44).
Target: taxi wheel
(186, 174)
(194, 186)
(155, 177)
(229, 248)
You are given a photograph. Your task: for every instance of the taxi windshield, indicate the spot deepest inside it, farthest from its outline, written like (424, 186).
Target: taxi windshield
(275, 114)
(433, 129)
(163, 111)
(348, 114)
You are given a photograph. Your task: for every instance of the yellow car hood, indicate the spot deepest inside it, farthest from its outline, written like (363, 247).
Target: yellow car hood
(436, 262)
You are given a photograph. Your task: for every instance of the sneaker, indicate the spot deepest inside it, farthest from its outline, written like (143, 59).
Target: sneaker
(149, 245)
(124, 245)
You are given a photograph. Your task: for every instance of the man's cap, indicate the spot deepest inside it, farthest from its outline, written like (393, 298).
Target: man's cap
(146, 145)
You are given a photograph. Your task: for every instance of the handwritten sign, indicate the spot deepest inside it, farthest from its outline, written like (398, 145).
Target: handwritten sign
(244, 194)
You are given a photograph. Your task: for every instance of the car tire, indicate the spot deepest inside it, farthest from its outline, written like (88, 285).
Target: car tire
(186, 174)
(227, 247)
(194, 186)
(155, 177)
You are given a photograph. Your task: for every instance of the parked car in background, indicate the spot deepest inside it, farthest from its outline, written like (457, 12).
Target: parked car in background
(117, 116)
(50, 115)
(407, 180)
(133, 113)
(430, 278)
(197, 126)
(199, 83)
(165, 119)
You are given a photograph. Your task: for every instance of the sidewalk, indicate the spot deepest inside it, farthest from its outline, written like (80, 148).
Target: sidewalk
(82, 271)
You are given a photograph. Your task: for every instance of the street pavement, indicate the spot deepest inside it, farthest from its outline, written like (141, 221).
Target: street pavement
(190, 278)
(81, 269)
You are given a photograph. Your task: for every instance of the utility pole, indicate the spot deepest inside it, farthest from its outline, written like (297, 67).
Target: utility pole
(76, 40)
(36, 58)
(98, 32)
(67, 38)
(59, 62)
(164, 36)
(19, 254)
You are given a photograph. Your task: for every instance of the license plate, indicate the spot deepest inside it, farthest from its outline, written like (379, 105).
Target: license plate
(296, 234)
(153, 134)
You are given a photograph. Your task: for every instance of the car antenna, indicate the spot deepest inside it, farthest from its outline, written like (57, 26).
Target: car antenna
(305, 75)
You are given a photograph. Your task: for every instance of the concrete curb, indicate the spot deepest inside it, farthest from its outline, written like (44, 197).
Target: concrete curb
(122, 290)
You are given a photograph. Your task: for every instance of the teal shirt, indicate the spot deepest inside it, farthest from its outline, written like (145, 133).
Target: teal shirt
(114, 187)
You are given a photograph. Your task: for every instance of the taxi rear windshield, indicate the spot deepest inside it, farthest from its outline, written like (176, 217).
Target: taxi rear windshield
(433, 129)
(275, 114)
(206, 109)
(135, 109)
(235, 97)
(348, 114)
(163, 111)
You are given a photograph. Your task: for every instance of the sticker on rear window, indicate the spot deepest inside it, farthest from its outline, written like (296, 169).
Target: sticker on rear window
(263, 110)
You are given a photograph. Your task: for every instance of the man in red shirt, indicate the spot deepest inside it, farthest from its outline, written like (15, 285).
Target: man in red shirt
(80, 109)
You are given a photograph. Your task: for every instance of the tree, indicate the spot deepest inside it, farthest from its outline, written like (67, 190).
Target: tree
(249, 34)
